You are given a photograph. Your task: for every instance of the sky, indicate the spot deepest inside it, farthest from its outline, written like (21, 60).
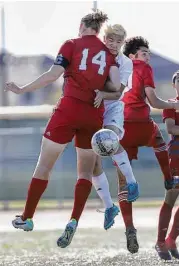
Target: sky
(40, 27)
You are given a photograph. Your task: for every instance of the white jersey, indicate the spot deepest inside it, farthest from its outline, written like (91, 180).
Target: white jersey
(114, 109)
(125, 70)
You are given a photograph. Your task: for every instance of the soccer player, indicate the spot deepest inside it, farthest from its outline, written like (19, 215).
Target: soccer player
(140, 129)
(166, 246)
(114, 119)
(87, 63)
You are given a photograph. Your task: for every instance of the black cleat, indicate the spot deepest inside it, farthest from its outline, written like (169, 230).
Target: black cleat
(131, 236)
(162, 251)
(171, 246)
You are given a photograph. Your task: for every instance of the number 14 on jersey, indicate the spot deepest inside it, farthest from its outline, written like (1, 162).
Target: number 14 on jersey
(98, 59)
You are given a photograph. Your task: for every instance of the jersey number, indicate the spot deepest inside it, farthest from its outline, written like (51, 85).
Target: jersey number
(98, 59)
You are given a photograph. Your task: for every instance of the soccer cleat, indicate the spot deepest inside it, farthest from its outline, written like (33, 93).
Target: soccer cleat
(162, 251)
(169, 184)
(68, 234)
(132, 243)
(26, 225)
(133, 192)
(171, 246)
(109, 215)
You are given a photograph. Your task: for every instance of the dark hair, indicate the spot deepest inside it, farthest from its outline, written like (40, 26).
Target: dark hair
(95, 20)
(174, 76)
(132, 45)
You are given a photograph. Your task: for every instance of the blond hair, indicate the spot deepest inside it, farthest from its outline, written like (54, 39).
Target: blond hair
(95, 20)
(117, 30)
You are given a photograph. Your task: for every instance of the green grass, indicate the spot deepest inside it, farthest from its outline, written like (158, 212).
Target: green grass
(94, 247)
(54, 204)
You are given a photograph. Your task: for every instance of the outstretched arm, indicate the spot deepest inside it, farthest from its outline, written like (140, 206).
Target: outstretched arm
(42, 81)
(157, 102)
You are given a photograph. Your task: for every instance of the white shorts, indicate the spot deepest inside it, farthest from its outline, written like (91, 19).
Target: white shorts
(114, 116)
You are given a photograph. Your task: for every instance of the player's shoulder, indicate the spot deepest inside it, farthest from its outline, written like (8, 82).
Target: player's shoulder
(123, 60)
(69, 41)
(142, 67)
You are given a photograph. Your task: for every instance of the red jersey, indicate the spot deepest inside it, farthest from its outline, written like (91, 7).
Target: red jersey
(136, 106)
(172, 113)
(88, 62)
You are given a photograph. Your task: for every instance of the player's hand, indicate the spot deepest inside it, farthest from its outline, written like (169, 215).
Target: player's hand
(98, 99)
(11, 86)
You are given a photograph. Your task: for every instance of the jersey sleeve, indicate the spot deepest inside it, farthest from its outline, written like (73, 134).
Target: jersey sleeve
(148, 77)
(168, 113)
(65, 54)
(125, 71)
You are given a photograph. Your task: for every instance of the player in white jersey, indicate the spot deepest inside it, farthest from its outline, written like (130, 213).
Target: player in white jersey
(113, 119)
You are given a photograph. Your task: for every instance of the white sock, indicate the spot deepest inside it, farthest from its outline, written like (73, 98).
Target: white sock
(122, 161)
(102, 187)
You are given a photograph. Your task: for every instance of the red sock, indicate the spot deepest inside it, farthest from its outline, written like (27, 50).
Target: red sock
(161, 154)
(175, 227)
(126, 210)
(82, 191)
(164, 220)
(36, 189)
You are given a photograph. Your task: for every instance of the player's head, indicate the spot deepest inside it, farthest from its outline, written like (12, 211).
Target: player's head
(114, 38)
(92, 23)
(137, 48)
(175, 80)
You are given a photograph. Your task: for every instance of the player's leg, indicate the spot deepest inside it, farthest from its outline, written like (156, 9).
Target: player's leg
(161, 153)
(114, 120)
(47, 158)
(85, 164)
(173, 234)
(100, 182)
(55, 139)
(163, 223)
(86, 159)
(127, 214)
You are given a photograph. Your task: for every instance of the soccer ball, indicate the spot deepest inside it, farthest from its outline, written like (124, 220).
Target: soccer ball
(105, 142)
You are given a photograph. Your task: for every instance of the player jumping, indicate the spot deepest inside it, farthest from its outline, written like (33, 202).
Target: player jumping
(166, 246)
(114, 119)
(140, 129)
(87, 63)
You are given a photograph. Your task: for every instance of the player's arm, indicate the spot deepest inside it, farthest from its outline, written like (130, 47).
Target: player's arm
(155, 101)
(115, 79)
(124, 73)
(62, 61)
(171, 127)
(158, 103)
(42, 81)
(103, 95)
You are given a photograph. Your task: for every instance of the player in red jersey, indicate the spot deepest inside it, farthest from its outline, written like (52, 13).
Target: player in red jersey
(166, 247)
(140, 129)
(87, 63)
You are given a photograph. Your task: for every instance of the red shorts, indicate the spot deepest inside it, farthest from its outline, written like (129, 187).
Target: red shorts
(138, 135)
(74, 118)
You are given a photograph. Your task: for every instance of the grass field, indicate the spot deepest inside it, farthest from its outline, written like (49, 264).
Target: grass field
(91, 245)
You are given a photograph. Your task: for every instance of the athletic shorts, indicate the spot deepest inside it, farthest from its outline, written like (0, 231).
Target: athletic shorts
(74, 119)
(114, 116)
(138, 135)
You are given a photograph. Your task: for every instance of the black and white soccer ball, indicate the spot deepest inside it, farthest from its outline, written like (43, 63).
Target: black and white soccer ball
(105, 142)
